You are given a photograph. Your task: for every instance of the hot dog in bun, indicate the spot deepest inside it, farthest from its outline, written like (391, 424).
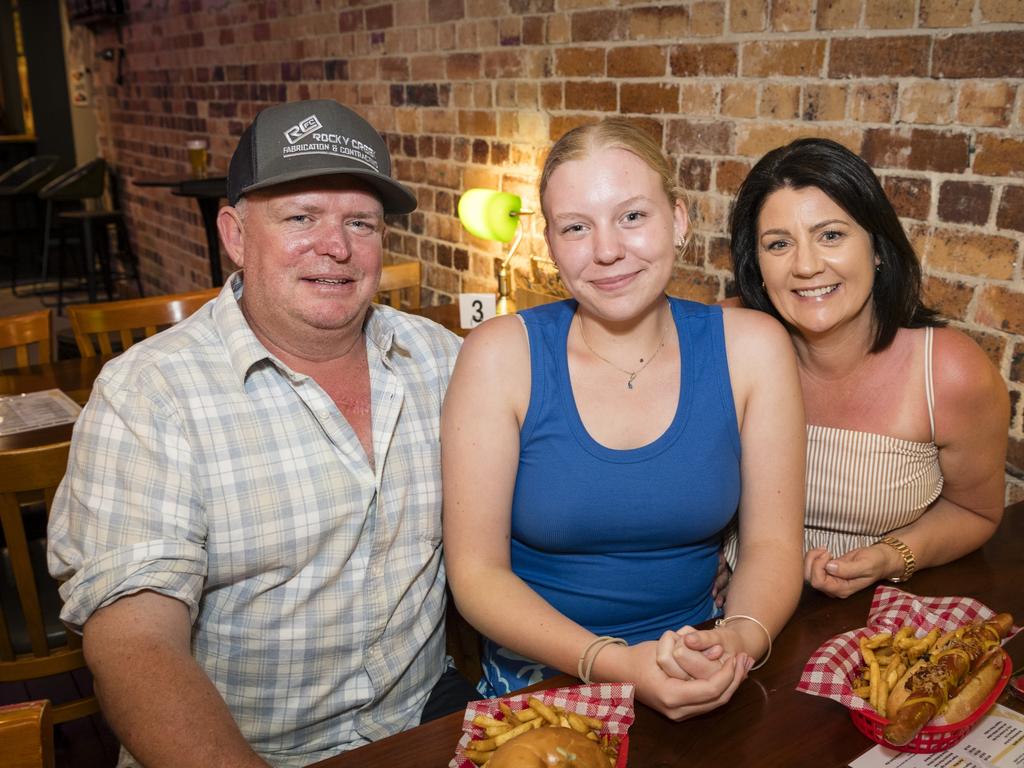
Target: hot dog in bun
(953, 681)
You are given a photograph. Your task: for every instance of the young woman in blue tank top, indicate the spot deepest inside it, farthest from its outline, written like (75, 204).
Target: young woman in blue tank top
(594, 449)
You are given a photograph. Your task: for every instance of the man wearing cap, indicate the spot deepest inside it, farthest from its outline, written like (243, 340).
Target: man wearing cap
(250, 524)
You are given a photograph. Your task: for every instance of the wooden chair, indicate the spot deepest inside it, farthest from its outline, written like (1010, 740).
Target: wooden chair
(130, 320)
(395, 278)
(18, 332)
(30, 646)
(26, 731)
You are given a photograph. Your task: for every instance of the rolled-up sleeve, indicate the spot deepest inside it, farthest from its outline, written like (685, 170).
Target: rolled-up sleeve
(127, 517)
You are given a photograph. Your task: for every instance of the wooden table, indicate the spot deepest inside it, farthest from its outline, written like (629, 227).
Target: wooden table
(767, 723)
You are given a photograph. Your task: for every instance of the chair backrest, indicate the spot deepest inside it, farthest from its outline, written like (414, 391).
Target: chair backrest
(26, 731)
(87, 181)
(29, 175)
(396, 278)
(19, 332)
(130, 320)
(25, 476)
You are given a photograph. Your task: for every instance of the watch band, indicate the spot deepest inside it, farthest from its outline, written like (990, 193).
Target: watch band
(909, 561)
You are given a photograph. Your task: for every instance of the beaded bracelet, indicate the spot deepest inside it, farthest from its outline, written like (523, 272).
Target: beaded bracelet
(727, 619)
(585, 666)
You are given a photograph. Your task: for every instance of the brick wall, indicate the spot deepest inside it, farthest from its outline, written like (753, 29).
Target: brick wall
(472, 92)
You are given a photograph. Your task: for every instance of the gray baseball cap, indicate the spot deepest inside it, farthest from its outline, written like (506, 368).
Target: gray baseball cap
(303, 139)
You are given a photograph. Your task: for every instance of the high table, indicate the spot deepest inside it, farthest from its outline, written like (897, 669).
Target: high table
(767, 723)
(207, 193)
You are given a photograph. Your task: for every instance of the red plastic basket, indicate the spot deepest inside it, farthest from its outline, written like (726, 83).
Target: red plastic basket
(932, 738)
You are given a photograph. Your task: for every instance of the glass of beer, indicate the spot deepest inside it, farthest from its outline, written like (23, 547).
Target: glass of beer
(197, 157)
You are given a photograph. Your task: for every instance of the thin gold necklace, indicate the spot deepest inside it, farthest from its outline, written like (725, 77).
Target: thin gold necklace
(632, 374)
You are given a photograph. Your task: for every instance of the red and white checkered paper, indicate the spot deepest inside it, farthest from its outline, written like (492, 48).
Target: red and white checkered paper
(831, 668)
(610, 702)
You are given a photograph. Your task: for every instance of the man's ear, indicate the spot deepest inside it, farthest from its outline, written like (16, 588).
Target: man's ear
(232, 234)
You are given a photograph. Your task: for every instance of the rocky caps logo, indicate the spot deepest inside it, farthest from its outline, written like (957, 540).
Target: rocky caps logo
(303, 129)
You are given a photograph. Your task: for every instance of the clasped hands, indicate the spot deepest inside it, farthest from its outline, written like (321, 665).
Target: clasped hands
(690, 671)
(842, 576)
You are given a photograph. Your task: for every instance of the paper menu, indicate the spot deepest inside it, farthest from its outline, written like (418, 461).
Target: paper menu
(35, 410)
(998, 740)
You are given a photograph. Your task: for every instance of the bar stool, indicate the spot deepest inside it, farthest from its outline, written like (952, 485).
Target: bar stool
(19, 188)
(83, 188)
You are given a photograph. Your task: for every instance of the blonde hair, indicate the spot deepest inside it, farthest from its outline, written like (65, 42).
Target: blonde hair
(617, 133)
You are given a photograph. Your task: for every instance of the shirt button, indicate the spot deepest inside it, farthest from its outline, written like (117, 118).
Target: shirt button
(324, 415)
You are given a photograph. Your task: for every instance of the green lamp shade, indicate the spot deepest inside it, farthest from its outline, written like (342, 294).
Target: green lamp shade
(490, 214)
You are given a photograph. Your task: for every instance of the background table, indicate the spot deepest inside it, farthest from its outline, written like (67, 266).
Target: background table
(207, 193)
(767, 723)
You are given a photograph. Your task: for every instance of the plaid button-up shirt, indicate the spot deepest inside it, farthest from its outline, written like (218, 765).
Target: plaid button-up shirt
(205, 469)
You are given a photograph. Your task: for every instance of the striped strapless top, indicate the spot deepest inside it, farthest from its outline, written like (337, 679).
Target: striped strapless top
(862, 485)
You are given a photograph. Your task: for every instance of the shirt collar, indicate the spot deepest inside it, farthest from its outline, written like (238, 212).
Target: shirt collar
(245, 350)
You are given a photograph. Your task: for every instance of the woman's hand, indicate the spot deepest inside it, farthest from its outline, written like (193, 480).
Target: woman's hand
(842, 576)
(679, 698)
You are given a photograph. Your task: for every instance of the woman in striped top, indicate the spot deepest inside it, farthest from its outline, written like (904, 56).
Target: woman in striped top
(907, 419)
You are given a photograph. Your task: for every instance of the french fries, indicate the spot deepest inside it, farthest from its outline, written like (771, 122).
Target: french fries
(886, 657)
(537, 715)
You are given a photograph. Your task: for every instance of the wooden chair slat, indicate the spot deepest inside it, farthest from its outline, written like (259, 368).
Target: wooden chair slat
(147, 315)
(20, 332)
(396, 278)
(26, 731)
(21, 567)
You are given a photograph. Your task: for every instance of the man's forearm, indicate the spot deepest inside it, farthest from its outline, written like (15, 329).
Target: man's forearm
(159, 702)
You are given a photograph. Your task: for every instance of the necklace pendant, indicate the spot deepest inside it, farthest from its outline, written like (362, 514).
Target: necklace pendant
(629, 384)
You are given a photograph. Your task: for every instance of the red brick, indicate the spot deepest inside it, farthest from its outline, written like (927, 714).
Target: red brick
(992, 345)
(873, 103)
(579, 62)
(729, 174)
(562, 124)
(964, 202)
(879, 57)
(590, 96)
(692, 138)
(508, 63)
(911, 197)
(599, 26)
(477, 123)
(444, 10)
(968, 253)
(746, 15)
(699, 99)
(703, 59)
(694, 174)
(917, 149)
(1001, 10)
(926, 101)
(649, 98)
(1000, 308)
(1011, 209)
(636, 61)
(707, 19)
(533, 30)
(951, 298)
(755, 139)
(792, 15)
(464, 66)
(780, 102)
(654, 22)
(997, 156)
(985, 103)
(785, 58)
(824, 102)
(1017, 363)
(946, 13)
(984, 54)
(551, 96)
(889, 14)
(838, 14)
(381, 17)
(739, 100)
(719, 254)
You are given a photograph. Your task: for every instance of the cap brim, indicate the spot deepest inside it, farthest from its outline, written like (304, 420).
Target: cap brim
(394, 197)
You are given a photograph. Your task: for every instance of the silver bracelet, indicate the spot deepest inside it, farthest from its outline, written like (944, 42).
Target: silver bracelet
(727, 619)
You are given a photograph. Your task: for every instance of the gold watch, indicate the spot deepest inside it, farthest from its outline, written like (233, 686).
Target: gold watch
(909, 561)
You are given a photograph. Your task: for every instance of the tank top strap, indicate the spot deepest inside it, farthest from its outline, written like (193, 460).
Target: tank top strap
(929, 385)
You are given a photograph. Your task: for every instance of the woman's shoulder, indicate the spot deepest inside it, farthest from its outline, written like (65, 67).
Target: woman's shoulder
(963, 374)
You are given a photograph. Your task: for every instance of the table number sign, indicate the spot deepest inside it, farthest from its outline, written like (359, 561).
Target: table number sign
(474, 308)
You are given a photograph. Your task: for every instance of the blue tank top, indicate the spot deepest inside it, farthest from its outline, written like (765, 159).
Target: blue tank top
(623, 542)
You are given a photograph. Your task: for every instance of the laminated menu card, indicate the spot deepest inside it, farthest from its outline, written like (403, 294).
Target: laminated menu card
(35, 410)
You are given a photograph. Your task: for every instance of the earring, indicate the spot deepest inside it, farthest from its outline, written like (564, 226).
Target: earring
(878, 267)
(762, 285)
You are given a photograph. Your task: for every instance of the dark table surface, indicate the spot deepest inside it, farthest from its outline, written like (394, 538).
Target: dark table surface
(767, 723)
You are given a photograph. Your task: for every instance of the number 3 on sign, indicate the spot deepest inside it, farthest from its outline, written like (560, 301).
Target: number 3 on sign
(474, 308)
